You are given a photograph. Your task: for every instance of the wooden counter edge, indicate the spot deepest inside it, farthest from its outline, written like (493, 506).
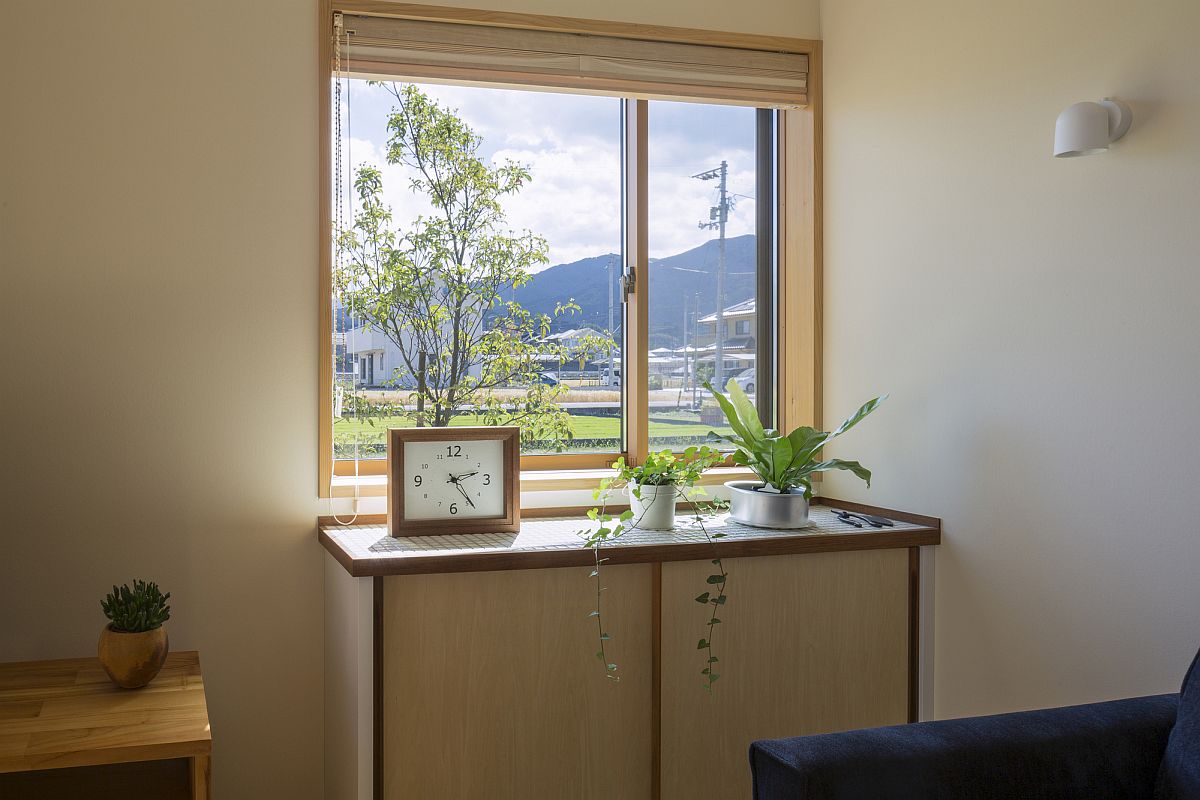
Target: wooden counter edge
(929, 533)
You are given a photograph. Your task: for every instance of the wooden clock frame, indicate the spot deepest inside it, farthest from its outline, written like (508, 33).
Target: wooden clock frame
(508, 522)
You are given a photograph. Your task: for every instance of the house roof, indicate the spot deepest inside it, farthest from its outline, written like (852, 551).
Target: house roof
(742, 309)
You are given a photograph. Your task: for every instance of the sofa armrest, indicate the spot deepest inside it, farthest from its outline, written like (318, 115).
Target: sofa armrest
(1091, 752)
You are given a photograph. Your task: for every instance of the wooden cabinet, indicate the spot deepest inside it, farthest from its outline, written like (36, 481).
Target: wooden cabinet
(490, 688)
(486, 684)
(807, 644)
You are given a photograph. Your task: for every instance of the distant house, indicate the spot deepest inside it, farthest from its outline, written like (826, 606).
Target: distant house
(374, 359)
(570, 339)
(740, 344)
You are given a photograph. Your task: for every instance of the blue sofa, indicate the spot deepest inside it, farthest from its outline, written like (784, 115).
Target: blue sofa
(1146, 748)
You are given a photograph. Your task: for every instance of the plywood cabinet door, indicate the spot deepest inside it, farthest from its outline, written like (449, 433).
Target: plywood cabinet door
(491, 687)
(807, 644)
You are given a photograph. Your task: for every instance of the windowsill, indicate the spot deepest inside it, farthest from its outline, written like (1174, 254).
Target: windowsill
(366, 549)
(531, 481)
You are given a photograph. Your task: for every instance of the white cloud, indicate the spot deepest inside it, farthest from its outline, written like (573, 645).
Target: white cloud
(571, 145)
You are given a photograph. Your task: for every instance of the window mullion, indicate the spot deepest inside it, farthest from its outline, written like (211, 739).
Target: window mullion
(766, 288)
(635, 357)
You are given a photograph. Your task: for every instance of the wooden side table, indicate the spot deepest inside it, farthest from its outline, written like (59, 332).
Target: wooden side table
(67, 731)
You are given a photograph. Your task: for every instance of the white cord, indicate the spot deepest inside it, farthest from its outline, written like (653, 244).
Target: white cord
(339, 226)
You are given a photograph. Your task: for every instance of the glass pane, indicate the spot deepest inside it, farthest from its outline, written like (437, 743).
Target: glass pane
(703, 257)
(476, 270)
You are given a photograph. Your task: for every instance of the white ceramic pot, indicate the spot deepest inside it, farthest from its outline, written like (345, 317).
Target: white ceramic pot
(766, 509)
(655, 509)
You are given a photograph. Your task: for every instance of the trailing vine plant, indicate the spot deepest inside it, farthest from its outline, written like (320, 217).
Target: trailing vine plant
(660, 469)
(715, 595)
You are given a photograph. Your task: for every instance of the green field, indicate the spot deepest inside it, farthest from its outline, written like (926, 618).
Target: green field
(582, 426)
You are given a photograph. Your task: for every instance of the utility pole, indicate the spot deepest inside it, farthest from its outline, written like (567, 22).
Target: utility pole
(612, 263)
(696, 357)
(718, 215)
(684, 381)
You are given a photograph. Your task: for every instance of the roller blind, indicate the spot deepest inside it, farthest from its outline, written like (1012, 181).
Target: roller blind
(582, 62)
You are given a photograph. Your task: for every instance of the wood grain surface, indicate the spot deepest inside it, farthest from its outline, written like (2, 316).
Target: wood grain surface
(68, 714)
(807, 644)
(490, 687)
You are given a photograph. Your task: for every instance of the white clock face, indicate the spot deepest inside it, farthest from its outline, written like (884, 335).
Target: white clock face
(454, 479)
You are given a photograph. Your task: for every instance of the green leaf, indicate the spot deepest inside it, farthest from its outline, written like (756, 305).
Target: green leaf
(858, 416)
(702, 598)
(781, 461)
(703, 643)
(716, 578)
(837, 463)
(731, 416)
(746, 412)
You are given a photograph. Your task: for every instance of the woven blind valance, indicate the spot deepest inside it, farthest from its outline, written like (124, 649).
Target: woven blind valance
(590, 63)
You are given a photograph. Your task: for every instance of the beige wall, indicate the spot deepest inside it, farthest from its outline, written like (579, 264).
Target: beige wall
(800, 18)
(159, 298)
(158, 309)
(1036, 323)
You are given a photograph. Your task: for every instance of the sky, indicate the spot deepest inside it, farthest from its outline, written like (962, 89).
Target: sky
(572, 144)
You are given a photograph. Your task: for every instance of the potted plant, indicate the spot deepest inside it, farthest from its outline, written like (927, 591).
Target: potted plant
(784, 464)
(656, 484)
(133, 645)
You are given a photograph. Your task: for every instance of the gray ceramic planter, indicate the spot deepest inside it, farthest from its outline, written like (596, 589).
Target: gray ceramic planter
(766, 509)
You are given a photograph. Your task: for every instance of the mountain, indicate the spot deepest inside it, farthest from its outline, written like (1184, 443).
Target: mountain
(672, 280)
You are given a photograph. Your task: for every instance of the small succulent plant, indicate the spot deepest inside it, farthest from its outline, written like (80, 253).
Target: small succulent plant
(142, 608)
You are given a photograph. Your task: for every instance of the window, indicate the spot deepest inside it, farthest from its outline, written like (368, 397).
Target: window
(704, 167)
(479, 259)
(580, 264)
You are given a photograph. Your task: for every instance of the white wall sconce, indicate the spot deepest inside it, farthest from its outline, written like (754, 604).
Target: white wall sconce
(1087, 128)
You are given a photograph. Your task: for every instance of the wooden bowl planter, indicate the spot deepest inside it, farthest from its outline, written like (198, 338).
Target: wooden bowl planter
(133, 645)
(132, 660)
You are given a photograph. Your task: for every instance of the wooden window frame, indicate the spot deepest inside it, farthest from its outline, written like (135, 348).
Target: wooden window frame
(798, 240)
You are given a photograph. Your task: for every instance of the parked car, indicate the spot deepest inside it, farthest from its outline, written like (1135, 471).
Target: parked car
(746, 381)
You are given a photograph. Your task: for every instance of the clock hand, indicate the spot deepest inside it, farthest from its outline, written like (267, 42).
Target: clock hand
(464, 476)
(463, 492)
